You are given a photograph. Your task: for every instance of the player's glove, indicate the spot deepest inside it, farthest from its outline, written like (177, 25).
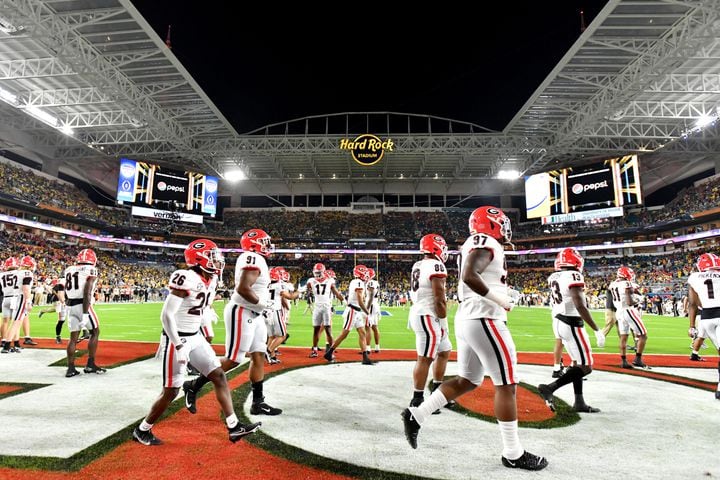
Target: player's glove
(182, 354)
(444, 324)
(501, 298)
(693, 333)
(211, 315)
(600, 338)
(85, 322)
(266, 303)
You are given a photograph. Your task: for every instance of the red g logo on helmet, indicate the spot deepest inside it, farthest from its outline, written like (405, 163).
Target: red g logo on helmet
(434, 244)
(205, 254)
(359, 271)
(492, 222)
(87, 257)
(258, 241)
(708, 261)
(330, 273)
(274, 274)
(626, 273)
(11, 263)
(569, 258)
(28, 262)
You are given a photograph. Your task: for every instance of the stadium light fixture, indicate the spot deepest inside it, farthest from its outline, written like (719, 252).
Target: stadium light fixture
(234, 175)
(67, 130)
(705, 120)
(508, 174)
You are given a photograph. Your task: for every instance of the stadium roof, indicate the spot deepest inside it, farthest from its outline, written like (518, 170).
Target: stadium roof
(639, 79)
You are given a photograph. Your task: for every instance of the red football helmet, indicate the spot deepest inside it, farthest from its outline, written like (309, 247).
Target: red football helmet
(28, 262)
(11, 263)
(258, 241)
(370, 273)
(434, 244)
(330, 273)
(205, 254)
(569, 257)
(626, 273)
(360, 271)
(275, 274)
(87, 257)
(319, 270)
(708, 261)
(284, 275)
(490, 221)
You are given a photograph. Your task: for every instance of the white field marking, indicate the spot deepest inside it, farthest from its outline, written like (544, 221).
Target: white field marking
(358, 421)
(702, 374)
(71, 414)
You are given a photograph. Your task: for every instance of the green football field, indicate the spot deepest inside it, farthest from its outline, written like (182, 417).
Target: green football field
(531, 328)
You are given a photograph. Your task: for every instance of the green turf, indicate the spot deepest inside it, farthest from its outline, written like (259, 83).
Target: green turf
(531, 328)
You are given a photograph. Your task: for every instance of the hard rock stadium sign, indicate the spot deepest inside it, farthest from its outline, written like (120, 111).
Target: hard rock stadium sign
(367, 149)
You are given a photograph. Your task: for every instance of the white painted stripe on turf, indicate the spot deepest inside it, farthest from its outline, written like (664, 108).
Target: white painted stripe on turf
(358, 422)
(72, 413)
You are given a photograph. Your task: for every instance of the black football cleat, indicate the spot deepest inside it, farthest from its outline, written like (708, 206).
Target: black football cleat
(558, 373)
(696, 358)
(190, 397)
(451, 405)
(58, 340)
(328, 355)
(527, 461)
(313, 354)
(717, 394)
(640, 364)
(547, 395)
(367, 361)
(263, 408)
(94, 369)
(412, 427)
(146, 438)
(239, 431)
(71, 372)
(29, 341)
(625, 364)
(583, 408)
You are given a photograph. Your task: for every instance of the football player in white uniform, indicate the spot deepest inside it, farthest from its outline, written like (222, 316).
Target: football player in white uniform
(702, 288)
(570, 312)
(624, 292)
(323, 289)
(245, 329)
(80, 280)
(428, 315)
(354, 315)
(484, 343)
(11, 304)
(373, 318)
(22, 280)
(275, 316)
(59, 307)
(28, 263)
(210, 316)
(181, 341)
(288, 294)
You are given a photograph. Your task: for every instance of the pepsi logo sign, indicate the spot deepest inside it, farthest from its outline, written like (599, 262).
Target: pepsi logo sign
(162, 186)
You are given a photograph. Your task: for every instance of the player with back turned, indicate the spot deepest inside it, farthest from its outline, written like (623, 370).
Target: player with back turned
(484, 343)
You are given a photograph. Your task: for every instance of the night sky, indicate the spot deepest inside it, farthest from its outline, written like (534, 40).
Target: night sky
(286, 62)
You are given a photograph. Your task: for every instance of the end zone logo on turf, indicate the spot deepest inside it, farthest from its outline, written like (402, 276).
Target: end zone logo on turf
(367, 149)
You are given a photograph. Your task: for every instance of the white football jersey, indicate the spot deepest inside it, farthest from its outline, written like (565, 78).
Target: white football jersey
(189, 316)
(707, 287)
(321, 290)
(560, 284)
(352, 298)
(253, 261)
(9, 283)
(494, 276)
(212, 290)
(76, 277)
(421, 292)
(618, 289)
(275, 288)
(376, 292)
